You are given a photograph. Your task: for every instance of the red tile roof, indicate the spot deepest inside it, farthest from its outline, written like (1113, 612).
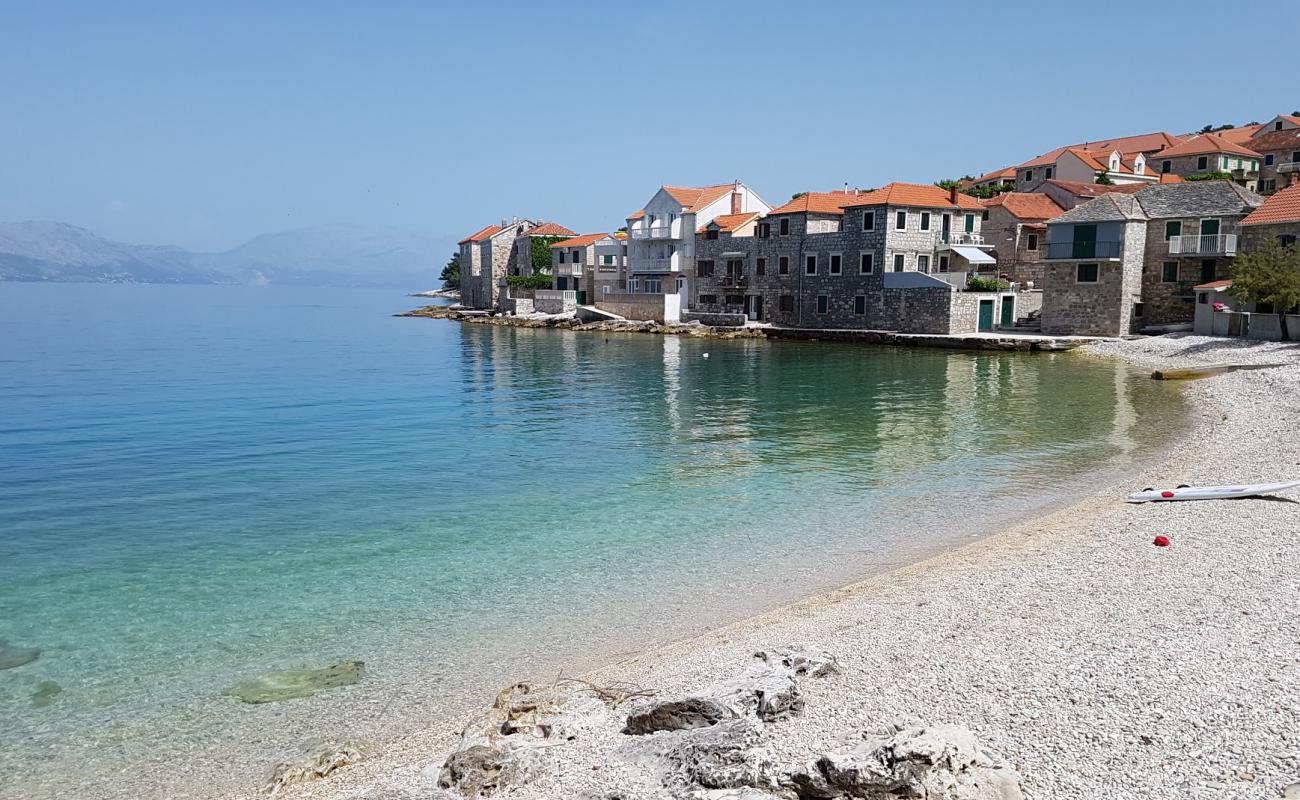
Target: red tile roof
(1205, 143)
(482, 234)
(1169, 177)
(1240, 135)
(914, 194)
(1285, 139)
(1098, 189)
(819, 202)
(1027, 205)
(1127, 145)
(637, 214)
(1281, 207)
(999, 175)
(694, 199)
(580, 241)
(729, 222)
(1213, 285)
(550, 229)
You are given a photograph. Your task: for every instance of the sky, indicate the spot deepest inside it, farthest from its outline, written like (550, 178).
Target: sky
(205, 124)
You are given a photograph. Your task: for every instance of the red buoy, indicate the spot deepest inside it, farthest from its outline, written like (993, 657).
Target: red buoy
(1166, 494)
(1161, 541)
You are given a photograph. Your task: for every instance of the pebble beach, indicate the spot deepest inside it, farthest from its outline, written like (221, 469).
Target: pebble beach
(1093, 662)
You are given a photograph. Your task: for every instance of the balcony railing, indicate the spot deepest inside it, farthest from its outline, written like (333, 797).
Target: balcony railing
(658, 265)
(1220, 244)
(1290, 166)
(653, 232)
(567, 269)
(1081, 251)
(961, 238)
(733, 280)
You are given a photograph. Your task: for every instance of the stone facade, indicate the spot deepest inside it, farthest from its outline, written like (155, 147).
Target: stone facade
(1103, 307)
(1018, 246)
(486, 259)
(1254, 236)
(1243, 169)
(1167, 280)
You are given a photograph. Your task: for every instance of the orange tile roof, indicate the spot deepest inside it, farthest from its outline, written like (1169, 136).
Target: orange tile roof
(914, 194)
(1205, 143)
(729, 222)
(482, 234)
(1027, 205)
(1281, 207)
(819, 202)
(550, 229)
(1127, 145)
(636, 214)
(1214, 285)
(1285, 139)
(580, 241)
(695, 198)
(1169, 177)
(1240, 135)
(1005, 174)
(1098, 189)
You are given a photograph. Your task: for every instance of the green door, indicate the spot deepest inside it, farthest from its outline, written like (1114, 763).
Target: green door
(1085, 241)
(1209, 227)
(1008, 311)
(986, 315)
(582, 297)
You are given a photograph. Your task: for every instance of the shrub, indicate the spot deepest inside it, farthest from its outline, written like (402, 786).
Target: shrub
(978, 284)
(534, 281)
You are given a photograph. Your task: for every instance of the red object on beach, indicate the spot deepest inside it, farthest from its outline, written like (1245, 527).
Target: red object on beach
(1166, 493)
(1161, 541)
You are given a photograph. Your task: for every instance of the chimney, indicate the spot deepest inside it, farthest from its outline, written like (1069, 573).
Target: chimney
(735, 202)
(503, 222)
(1295, 179)
(846, 187)
(952, 194)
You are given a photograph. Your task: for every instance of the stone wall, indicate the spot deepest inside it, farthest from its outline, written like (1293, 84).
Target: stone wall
(1254, 236)
(715, 320)
(1104, 308)
(651, 307)
(551, 301)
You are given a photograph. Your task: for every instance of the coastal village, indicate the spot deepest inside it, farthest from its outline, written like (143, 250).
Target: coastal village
(1135, 234)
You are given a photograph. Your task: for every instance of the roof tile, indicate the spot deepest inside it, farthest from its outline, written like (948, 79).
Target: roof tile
(1281, 207)
(482, 234)
(1205, 143)
(914, 194)
(1026, 205)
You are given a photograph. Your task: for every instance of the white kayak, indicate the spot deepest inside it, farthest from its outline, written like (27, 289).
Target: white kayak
(1209, 492)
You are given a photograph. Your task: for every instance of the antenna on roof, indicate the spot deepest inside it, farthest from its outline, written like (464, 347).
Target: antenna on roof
(846, 187)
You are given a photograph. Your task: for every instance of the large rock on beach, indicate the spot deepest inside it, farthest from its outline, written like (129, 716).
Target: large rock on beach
(288, 684)
(320, 758)
(13, 656)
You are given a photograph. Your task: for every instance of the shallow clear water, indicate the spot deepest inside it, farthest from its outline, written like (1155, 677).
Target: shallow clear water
(198, 484)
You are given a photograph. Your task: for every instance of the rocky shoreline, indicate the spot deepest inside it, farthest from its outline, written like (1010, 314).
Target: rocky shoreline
(571, 322)
(1067, 657)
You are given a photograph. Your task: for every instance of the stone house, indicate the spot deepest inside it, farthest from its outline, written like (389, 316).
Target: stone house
(661, 236)
(1208, 153)
(1279, 152)
(486, 257)
(1123, 159)
(884, 259)
(543, 233)
(1277, 218)
(591, 265)
(1122, 262)
(1015, 225)
(1068, 194)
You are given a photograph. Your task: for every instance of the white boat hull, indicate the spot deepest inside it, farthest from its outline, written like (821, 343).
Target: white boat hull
(1209, 492)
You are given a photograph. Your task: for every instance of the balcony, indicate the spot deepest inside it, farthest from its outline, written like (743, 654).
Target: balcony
(955, 238)
(1221, 244)
(567, 269)
(656, 265)
(1084, 251)
(737, 281)
(1244, 173)
(1290, 166)
(652, 232)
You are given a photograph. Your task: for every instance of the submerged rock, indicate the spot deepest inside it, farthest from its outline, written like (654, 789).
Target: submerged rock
(13, 656)
(320, 758)
(288, 684)
(44, 694)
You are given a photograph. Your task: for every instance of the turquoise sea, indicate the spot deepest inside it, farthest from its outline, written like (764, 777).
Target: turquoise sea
(199, 484)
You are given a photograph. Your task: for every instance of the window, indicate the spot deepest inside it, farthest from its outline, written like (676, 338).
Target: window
(1207, 270)
(810, 265)
(1277, 126)
(760, 266)
(1173, 228)
(786, 303)
(607, 260)
(764, 230)
(1203, 162)
(869, 220)
(923, 263)
(1031, 241)
(785, 226)
(1029, 174)
(708, 299)
(1203, 298)
(898, 262)
(735, 267)
(900, 221)
(866, 264)
(1286, 240)
(1049, 172)
(925, 220)
(577, 256)
(735, 299)
(984, 216)
(711, 233)
(836, 264)
(860, 305)
(1169, 272)
(970, 223)
(634, 284)
(561, 256)
(783, 265)
(1086, 273)
(1139, 309)
(823, 304)
(1225, 162)
(1268, 159)
(943, 263)
(704, 268)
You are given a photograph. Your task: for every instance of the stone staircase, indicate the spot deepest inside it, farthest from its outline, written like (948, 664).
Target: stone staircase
(1030, 323)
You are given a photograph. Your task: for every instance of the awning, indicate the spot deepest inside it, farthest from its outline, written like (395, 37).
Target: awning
(974, 255)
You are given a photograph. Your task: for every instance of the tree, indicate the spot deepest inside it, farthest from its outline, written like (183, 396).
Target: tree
(1103, 179)
(542, 253)
(451, 273)
(1269, 275)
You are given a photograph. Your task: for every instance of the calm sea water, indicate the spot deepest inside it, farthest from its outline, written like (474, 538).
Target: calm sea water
(199, 484)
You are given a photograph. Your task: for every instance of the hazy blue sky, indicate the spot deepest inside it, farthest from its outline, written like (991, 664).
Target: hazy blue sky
(170, 123)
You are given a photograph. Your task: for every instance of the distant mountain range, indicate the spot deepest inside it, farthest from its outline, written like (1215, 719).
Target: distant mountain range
(330, 255)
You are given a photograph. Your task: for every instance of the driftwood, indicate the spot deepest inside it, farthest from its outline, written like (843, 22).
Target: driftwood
(1208, 371)
(613, 695)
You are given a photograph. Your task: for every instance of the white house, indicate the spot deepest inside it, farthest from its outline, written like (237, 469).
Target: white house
(661, 236)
